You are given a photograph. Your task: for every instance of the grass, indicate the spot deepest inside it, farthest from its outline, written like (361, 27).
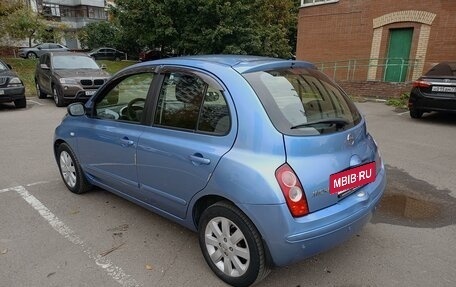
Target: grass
(399, 103)
(25, 68)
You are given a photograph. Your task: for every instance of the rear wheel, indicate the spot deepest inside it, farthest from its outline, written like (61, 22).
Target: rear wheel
(71, 171)
(31, 55)
(58, 98)
(39, 93)
(21, 103)
(231, 245)
(415, 114)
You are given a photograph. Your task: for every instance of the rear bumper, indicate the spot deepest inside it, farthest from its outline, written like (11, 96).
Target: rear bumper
(293, 239)
(418, 101)
(11, 94)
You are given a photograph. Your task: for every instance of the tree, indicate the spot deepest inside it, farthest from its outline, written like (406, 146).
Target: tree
(24, 23)
(98, 34)
(260, 27)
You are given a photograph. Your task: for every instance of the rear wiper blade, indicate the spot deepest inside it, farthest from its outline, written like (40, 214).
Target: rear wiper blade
(337, 121)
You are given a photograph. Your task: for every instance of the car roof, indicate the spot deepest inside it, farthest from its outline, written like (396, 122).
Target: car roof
(241, 63)
(67, 54)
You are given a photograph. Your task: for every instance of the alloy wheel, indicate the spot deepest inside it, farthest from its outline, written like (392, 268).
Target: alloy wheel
(67, 169)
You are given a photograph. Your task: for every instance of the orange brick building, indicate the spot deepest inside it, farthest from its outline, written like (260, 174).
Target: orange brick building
(376, 40)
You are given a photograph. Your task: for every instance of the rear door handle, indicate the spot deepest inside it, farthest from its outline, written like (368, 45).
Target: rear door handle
(198, 159)
(126, 142)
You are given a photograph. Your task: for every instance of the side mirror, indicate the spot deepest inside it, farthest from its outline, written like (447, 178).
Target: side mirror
(39, 48)
(9, 66)
(44, 66)
(76, 109)
(103, 67)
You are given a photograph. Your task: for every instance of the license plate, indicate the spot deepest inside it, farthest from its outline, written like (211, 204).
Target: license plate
(343, 181)
(91, 92)
(444, 89)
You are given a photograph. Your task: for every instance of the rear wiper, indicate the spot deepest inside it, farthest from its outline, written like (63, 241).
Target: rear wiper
(337, 121)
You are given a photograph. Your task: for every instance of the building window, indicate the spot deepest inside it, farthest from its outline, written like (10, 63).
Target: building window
(96, 12)
(51, 10)
(305, 3)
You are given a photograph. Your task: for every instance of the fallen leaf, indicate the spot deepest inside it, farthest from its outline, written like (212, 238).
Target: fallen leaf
(50, 274)
(148, 267)
(4, 251)
(74, 212)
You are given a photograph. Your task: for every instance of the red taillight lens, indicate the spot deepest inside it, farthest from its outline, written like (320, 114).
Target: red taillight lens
(292, 190)
(421, 84)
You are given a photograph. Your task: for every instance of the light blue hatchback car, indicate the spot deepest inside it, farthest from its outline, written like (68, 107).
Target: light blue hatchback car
(267, 159)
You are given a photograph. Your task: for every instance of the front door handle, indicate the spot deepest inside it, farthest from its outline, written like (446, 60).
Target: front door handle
(126, 142)
(198, 159)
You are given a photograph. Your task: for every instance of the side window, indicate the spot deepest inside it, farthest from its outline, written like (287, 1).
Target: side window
(125, 101)
(44, 46)
(187, 102)
(47, 60)
(54, 46)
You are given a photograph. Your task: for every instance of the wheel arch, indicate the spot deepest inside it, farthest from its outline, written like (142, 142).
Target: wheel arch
(207, 200)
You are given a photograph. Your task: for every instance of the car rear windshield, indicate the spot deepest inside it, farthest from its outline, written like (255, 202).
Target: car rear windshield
(443, 69)
(74, 63)
(303, 101)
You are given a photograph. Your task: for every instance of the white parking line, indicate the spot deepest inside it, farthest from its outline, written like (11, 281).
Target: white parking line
(112, 270)
(38, 103)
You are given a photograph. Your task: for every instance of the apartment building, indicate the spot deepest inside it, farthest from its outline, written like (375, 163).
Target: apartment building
(75, 14)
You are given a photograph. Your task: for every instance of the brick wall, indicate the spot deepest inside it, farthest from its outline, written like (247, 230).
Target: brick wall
(347, 30)
(372, 89)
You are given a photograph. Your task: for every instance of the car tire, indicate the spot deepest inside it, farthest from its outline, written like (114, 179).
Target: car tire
(20, 103)
(70, 170)
(241, 262)
(39, 93)
(31, 55)
(416, 114)
(58, 98)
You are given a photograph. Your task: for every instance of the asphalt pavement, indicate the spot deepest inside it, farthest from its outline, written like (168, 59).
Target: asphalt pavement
(51, 237)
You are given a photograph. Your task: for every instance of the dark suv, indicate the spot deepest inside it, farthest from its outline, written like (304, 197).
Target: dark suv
(68, 77)
(11, 87)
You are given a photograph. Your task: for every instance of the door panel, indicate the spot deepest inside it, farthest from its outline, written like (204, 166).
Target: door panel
(108, 141)
(177, 155)
(398, 55)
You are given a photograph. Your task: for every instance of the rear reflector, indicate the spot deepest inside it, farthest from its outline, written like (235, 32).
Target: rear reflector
(421, 84)
(292, 190)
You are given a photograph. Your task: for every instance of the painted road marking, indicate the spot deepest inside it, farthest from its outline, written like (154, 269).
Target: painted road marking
(110, 268)
(38, 103)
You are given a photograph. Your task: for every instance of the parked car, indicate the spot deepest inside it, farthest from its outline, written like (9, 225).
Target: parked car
(68, 77)
(11, 87)
(150, 55)
(267, 159)
(434, 91)
(38, 50)
(107, 54)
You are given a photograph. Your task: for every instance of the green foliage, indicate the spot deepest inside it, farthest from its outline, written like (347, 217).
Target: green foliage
(24, 23)
(98, 34)
(400, 102)
(261, 27)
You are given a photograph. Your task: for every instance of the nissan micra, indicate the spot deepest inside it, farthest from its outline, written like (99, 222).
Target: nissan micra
(267, 159)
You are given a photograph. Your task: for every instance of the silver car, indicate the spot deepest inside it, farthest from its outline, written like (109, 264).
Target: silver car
(38, 50)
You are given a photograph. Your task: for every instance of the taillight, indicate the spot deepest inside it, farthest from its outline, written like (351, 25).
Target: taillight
(421, 84)
(292, 190)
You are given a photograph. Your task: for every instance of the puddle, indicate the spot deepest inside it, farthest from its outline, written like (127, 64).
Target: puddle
(412, 202)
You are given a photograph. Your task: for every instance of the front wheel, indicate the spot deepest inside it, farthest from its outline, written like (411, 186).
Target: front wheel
(231, 245)
(21, 103)
(58, 98)
(71, 171)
